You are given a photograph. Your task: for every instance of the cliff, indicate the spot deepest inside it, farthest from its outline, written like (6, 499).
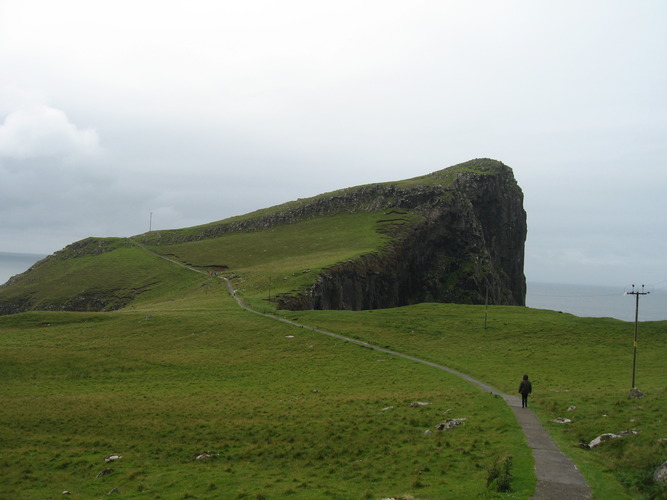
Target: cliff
(467, 246)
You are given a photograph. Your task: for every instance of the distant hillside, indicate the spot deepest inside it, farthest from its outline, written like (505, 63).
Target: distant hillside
(455, 235)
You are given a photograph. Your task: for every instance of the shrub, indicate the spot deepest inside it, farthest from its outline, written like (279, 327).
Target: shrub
(499, 475)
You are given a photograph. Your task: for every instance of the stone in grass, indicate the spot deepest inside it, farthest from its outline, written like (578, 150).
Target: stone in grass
(113, 491)
(660, 474)
(561, 420)
(417, 404)
(105, 472)
(635, 393)
(450, 423)
(66, 492)
(603, 438)
(112, 458)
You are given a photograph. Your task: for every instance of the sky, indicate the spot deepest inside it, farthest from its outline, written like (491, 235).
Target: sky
(196, 111)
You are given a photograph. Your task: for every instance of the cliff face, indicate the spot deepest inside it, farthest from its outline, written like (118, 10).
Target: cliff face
(469, 243)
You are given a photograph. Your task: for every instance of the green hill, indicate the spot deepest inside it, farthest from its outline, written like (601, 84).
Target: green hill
(455, 235)
(203, 399)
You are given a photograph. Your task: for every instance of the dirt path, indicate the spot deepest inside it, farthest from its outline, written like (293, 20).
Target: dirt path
(557, 476)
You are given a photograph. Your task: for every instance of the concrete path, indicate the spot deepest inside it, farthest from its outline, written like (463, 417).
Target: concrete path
(557, 476)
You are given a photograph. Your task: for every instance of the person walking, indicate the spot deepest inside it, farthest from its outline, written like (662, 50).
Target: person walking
(525, 388)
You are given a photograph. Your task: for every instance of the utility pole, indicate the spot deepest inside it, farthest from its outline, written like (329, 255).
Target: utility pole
(486, 305)
(636, 293)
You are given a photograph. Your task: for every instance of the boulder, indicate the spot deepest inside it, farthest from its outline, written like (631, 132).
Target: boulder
(105, 472)
(450, 423)
(561, 420)
(417, 404)
(603, 438)
(660, 474)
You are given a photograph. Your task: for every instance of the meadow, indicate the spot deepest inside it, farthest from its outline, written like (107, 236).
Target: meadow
(581, 369)
(280, 412)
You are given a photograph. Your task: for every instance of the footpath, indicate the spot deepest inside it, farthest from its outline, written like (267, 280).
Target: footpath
(557, 476)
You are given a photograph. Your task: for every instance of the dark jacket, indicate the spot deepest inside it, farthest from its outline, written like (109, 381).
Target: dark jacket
(525, 387)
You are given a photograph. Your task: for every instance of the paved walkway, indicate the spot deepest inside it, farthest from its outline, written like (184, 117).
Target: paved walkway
(557, 476)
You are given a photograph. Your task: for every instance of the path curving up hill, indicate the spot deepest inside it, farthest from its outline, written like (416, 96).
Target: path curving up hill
(557, 476)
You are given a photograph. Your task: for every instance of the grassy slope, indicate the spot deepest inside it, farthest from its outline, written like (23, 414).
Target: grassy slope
(444, 177)
(286, 257)
(163, 381)
(582, 362)
(117, 276)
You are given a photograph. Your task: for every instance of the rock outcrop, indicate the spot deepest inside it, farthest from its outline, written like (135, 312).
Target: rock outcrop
(467, 247)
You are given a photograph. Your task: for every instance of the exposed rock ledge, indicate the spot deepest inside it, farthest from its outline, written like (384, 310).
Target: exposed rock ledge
(470, 242)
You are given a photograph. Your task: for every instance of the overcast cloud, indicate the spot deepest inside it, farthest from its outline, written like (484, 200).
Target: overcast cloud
(197, 111)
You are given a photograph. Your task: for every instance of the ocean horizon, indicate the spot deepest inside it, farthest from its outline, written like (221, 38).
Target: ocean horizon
(596, 301)
(13, 263)
(579, 300)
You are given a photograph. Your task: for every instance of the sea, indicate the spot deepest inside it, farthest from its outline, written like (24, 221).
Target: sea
(580, 300)
(599, 301)
(16, 263)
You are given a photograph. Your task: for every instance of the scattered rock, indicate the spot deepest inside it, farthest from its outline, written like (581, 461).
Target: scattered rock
(387, 408)
(561, 420)
(112, 458)
(660, 474)
(203, 456)
(115, 490)
(417, 404)
(603, 438)
(450, 423)
(572, 408)
(67, 492)
(289, 336)
(105, 472)
(428, 432)
(635, 393)
(314, 391)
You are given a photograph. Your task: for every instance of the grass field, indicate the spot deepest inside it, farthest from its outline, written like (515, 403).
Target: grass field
(283, 412)
(288, 413)
(573, 362)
